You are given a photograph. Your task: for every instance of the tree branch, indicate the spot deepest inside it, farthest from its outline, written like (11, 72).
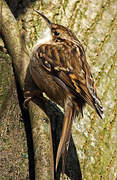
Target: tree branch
(40, 127)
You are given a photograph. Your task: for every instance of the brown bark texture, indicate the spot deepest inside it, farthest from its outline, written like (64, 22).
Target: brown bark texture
(92, 153)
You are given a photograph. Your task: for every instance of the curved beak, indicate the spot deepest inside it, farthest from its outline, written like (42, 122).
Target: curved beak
(42, 15)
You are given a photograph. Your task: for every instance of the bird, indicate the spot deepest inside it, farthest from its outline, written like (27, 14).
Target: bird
(59, 68)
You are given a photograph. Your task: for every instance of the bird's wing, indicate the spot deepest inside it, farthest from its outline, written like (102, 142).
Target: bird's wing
(70, 68)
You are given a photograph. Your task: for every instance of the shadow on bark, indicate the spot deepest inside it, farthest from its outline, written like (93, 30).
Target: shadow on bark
(28, 130)
(18, 6)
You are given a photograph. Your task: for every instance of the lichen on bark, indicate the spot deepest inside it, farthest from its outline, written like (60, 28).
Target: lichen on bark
(95, 24)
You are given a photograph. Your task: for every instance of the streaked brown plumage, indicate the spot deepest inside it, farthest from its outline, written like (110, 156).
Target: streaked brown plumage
(59, 68)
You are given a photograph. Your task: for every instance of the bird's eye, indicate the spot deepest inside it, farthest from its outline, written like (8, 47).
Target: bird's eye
(56, 33)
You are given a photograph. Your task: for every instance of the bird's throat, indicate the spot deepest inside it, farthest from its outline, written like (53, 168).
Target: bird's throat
(45, 38)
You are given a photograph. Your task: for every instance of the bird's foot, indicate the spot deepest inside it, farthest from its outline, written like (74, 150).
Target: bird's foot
(29, 95)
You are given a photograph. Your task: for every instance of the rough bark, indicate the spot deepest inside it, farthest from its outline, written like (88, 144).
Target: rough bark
(16, 46)
(95, 24)
(13, 147)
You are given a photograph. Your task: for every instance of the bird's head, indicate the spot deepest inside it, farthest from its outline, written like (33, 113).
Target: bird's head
(57, 32)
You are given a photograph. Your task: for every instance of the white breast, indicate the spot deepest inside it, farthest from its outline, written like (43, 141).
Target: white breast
(45, 38)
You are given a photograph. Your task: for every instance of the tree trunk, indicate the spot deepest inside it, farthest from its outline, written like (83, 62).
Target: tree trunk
(94, 154)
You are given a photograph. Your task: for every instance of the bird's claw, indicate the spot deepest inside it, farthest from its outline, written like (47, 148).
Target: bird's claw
(28, 97)
(27, 100)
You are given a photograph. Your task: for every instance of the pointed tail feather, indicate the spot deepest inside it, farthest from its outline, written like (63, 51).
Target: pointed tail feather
(64, 141)
(64, 155)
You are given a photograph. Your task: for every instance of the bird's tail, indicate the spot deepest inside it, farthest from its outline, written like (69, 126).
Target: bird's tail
(66, 132)
(65, 137)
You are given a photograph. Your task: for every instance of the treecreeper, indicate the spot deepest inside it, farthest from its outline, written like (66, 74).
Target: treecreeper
(59, 68)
